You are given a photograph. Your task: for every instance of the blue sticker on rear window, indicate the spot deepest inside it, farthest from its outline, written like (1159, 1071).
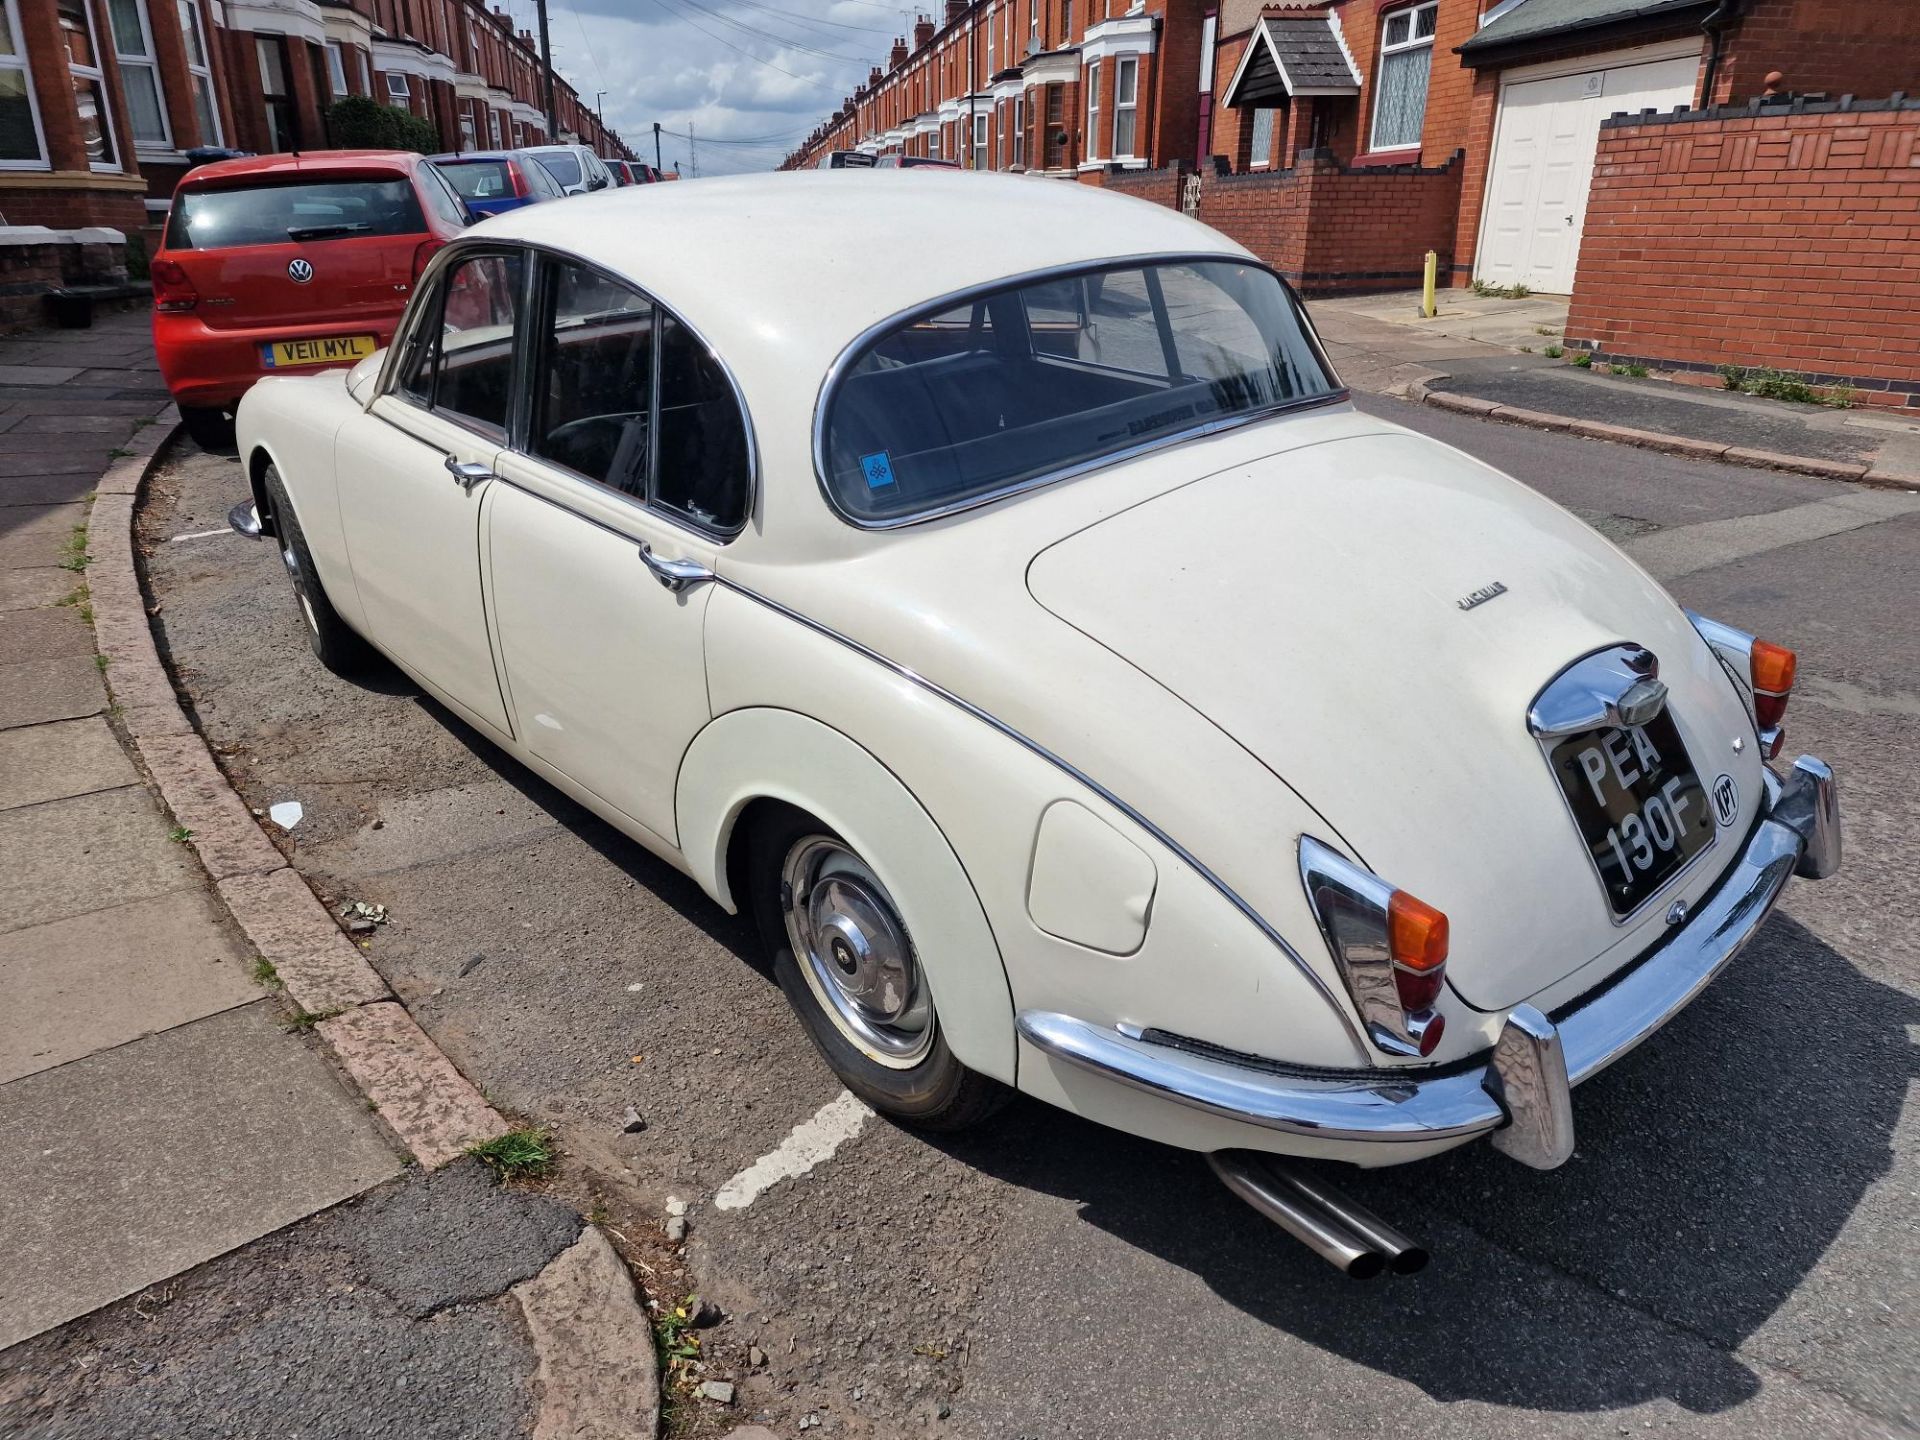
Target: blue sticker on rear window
(878, 469)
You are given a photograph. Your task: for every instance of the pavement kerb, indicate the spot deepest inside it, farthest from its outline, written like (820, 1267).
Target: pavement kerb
(418, 1092)
(1420, 393)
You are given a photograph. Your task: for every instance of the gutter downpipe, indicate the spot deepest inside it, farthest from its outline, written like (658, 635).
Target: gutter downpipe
(1714, 26)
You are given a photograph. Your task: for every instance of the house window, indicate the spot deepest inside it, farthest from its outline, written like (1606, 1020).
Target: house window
(336, 68)
(274, 91)
(19, 119)
(980, 140)
(1406, 58)
(89, 88)
(493, 127)
(1126, 91)
(366, 72)
(1093, 111)
(397, 88)
(1020, 130)
(467, 139)
(1262, 143)
(139, 74)
(198, 72)
(1054, 141)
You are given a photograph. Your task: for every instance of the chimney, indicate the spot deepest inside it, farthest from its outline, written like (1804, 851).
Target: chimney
(873, 77)
(899, 55)
(955, 9)
(922, 32)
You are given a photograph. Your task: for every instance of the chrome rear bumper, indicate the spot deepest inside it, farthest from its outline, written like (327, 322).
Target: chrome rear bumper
(1518, 1091)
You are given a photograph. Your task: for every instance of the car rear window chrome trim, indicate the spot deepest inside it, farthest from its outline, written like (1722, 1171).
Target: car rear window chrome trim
(857, 348)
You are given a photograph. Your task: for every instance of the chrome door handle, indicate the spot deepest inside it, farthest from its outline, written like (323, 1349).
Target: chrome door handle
(676, 575)
(469, 473)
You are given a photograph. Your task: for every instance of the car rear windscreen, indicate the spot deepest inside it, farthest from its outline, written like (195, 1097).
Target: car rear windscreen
(298, 211)
(479, 179)
(563, 167)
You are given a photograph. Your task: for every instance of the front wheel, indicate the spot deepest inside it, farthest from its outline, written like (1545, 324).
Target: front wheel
(850, 970)
(333, 640)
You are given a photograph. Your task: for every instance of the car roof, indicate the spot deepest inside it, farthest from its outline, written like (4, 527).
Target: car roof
(451, 159)
(793, 266)
(305, 162)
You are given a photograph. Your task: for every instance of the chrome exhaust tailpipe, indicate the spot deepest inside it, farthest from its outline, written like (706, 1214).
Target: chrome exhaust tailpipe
(1340, 1231)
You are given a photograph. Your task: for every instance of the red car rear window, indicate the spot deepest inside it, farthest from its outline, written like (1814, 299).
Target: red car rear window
(276, 213)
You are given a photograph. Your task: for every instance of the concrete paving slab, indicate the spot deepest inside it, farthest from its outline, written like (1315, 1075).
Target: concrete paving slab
(67, 857)
(53, 423)
(36, 375)
(46, 487)
(35, 691)
(38, 534)
(132, 1165)
(14, 442)
(66, 757)
(27, 589)
(49, 463)
(43, 634)
(93, 981)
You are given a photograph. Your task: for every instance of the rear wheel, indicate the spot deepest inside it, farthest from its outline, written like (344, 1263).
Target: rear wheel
(339, 648)
(210, 427)
(851, 972)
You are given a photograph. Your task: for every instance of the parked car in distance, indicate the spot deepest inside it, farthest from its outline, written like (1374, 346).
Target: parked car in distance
(491, 181)
(633, 172)
(576, 167)
(289, 262)
(846, 160)
(1080, 693)
(914, 162)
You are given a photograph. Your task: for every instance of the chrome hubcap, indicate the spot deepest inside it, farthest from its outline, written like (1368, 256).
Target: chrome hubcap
(288, 559)
(855, 953)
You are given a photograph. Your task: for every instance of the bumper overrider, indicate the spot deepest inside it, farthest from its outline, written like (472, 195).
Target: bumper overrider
(1519, 1091)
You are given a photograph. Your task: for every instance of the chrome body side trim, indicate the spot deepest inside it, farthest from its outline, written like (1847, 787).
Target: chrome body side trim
(1226, 892)
(1615, 686)
(1518, 1082)
(1350, 902)
(852, 354)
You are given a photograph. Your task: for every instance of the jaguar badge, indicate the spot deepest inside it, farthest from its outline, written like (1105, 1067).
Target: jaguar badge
(1482, 595)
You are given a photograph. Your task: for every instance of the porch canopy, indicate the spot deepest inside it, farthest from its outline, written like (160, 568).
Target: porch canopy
(1289, 57)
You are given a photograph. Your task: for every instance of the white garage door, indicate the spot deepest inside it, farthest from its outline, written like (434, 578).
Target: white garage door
(1543, 149)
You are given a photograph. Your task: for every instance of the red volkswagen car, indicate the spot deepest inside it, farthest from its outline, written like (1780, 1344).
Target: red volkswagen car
(289, 262)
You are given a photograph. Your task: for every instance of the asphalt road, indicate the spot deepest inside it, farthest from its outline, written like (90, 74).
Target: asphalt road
(1732, 1250)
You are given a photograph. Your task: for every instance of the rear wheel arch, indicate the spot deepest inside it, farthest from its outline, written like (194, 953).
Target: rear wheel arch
(750, 767)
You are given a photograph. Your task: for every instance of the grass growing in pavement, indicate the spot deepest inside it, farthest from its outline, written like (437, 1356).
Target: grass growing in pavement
(1584, 360)
(75, 557)
(180, 834)
(523, 1153)
(263, 971)
(301, 1021)
(1553, 352)
(1771, 384)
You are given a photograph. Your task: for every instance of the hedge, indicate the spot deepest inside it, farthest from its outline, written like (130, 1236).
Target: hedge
(360, 123)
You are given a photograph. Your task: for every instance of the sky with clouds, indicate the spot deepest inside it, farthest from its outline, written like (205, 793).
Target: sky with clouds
(747, 78)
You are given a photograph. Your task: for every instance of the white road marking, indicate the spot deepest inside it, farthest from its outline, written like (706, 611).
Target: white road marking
(200, 535)
(1669, 554)
(809, 1142)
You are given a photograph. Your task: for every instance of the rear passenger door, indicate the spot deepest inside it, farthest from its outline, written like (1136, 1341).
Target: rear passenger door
(634, 462)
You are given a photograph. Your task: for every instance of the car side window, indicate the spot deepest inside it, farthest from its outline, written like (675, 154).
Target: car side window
(595, 401)
(703, 463)
(440, 196)
(461, 363)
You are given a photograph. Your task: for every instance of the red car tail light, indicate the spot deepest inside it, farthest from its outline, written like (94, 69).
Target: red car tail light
(1390, 947)
(1417, 939)
(172, 290)
(516, 179)
(423, 252)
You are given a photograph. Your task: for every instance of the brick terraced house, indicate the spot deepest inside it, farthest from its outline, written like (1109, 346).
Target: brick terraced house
(1343, 140)
(100, 100)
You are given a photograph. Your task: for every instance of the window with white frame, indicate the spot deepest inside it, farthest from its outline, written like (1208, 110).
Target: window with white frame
(1126, 105)
(980, 140)
(89, 84)
(20, 145)
(493, 127)
(397, 86)
(274, 92)
(1093, 111)
(366, 71)
(1261, 143)
(139, 74)
(469, 140)
(199, 74)
(1020, 129)
(336, 68)
(1406, 60)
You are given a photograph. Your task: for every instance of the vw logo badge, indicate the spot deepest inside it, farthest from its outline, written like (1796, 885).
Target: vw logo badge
(300, 271)
(1726, 799)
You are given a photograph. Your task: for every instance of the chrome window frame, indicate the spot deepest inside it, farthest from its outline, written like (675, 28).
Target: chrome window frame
(855, 351)
(516, 439)
(406, 333)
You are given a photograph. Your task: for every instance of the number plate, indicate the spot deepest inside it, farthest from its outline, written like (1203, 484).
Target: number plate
(335, 350)
(1639, 805)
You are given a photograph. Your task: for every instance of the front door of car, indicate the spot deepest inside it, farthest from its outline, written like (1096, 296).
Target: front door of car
(415, 474)
(603, 537)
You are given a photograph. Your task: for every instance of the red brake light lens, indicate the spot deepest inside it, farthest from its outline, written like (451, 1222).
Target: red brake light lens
(1774, 667)
(172, 290)
(1417, 940)
(423, 253)
(515, 178)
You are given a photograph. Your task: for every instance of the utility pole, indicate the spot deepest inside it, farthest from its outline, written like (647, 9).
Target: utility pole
(693, 152)
(546, 73)
(656, 146)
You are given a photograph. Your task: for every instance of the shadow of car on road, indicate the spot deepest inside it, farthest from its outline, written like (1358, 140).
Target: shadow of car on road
(1716, 1165)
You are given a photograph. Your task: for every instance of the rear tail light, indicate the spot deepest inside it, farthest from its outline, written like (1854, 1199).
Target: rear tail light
(1763, 673)
(516, 179)
(1390, 947)
(1773, 670)
(172, 290)
(423, 252)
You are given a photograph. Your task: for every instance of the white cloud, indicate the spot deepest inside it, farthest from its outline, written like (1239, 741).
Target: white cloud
(748, 79)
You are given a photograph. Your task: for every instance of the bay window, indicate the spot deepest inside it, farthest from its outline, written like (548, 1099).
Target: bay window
(199, 73)
(19, 116)
(1093, 111)
(1126, 91)
(139, 74)
(89, 84)
(1406, 60)
(336, 68)
(275, 93)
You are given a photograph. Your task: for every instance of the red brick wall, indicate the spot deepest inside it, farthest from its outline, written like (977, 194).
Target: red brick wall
(1844, 47)
(1789, 240)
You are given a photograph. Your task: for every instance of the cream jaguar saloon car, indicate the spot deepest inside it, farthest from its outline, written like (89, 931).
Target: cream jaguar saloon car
(989, 586)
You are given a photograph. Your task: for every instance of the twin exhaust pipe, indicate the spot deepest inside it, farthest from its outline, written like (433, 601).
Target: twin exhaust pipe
(1342, 1232)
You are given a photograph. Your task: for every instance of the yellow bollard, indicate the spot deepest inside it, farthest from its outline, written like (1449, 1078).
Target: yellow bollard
(1427, 306)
